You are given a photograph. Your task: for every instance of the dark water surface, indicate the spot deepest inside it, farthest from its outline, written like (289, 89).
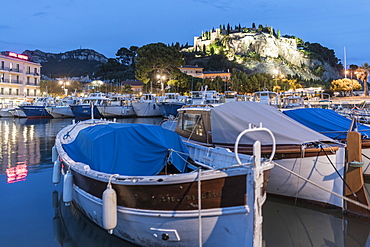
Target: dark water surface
(31, 215)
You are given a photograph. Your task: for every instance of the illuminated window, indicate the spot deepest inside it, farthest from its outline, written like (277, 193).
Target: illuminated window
(193, 123)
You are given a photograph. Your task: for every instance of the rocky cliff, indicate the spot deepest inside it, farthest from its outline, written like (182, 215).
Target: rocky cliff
(74, 63)
(259, 51)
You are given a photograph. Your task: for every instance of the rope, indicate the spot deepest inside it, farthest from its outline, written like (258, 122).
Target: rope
(323, 188)
(344, 181)
(200, 207)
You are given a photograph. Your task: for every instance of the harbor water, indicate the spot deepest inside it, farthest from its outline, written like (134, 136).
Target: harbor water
(31, 213)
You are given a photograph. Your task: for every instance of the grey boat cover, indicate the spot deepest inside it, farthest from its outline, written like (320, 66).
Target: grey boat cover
(230, 119)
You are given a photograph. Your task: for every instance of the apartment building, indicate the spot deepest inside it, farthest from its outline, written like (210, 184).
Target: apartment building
(198, 72)
(19, 78)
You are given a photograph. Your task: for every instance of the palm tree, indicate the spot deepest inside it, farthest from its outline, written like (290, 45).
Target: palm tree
(362, 74)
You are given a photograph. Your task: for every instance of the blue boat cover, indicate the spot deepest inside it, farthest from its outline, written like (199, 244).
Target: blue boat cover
(326, 121)
(127, 149)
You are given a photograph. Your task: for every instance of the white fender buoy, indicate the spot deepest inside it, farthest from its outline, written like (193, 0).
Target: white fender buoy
(54, 154)
(56, 172)
(67, 188)
(109, 208)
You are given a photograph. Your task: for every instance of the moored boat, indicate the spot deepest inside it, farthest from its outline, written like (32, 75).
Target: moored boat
(310, 166)
(330, 123)
(62, 110)
(82, 110)
(147, 106)
(169, 104)
(37, 109)
(160, 190)
(117, 106)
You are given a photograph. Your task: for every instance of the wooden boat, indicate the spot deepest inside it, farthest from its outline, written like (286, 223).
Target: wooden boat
(330, 123)
(143, 184)
(309, 165)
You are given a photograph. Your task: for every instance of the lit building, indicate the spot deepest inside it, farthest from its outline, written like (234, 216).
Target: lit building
(195, 71)
(19, 78)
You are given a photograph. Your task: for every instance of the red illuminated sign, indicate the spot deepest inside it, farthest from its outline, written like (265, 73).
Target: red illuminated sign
(20, 56)
(17, 173)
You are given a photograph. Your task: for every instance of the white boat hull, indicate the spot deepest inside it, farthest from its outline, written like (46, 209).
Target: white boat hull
(19, 113)
(60, 111)
(116, 111)
(6, 113)
(149, 226)
(316, 169)
(146, 109)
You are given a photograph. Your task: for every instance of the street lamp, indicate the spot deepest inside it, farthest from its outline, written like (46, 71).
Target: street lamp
(64, 84)
(161, 80)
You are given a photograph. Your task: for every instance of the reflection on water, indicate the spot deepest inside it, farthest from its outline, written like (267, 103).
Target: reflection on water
(72, 228)
(25, 144)
(288, 224)
(25, 177)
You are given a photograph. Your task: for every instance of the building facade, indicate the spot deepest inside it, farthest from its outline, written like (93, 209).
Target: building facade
(195, 71)
(19, 79)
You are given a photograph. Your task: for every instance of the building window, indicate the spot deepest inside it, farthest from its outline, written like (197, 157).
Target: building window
(28, 70)
(17, 78)
(17, 91)
(11, 66)
(34, 92)
(35, 81)
(28, 92)
(2, 78)
(17, 68)
(35, 71)
(2, 90)
(10, 78)
(28, 81)
(10, 91)
(2, 65)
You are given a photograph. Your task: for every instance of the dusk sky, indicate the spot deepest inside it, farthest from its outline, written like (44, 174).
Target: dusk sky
(105, 26)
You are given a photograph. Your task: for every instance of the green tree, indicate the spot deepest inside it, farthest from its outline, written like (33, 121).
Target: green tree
(157, 58)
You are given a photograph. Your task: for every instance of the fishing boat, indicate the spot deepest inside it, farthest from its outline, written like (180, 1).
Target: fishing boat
(309, 166)
(143, 184)
(37, 109)
(62, 109)
(330, 123)
(147, 106)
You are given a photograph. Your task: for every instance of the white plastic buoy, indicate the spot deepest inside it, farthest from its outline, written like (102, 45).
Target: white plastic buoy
(56, 171)
(109, 208)
(54, 154)
(67, 188)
